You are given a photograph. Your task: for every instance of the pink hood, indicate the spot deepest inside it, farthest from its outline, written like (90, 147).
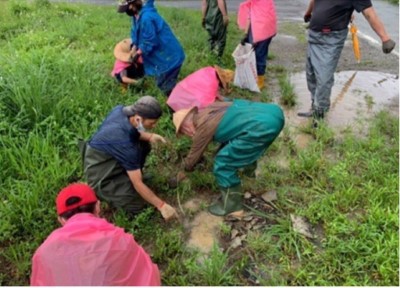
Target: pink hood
(263, 18)
(198, 89)
(89, 251)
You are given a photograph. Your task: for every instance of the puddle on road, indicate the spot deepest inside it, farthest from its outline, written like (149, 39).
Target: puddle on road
(356, 96)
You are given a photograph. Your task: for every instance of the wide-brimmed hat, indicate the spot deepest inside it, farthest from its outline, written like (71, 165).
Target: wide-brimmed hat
(180, 116)
(122, 50)
(225, 76)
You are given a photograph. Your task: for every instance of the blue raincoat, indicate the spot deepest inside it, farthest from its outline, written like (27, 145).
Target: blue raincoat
(161, 51)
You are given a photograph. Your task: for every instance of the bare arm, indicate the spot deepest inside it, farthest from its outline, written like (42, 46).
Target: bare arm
(310, 7)
(145, 192)
(128, 80)
(246, 31)
(375, 23)
(203, 8)
(222, 8)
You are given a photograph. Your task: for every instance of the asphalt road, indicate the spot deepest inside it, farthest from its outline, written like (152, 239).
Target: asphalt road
(294, 10)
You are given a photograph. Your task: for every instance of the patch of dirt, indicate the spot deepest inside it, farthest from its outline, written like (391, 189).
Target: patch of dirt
(204, 231)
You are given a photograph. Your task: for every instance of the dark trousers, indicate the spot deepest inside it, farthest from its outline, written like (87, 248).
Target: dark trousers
(167, 81)
(261, 51)
(110, 180)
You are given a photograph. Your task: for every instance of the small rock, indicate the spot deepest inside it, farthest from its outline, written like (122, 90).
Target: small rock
(269, 196)
(234, 233)
(247, 195)
(237, 242)
(301, 226)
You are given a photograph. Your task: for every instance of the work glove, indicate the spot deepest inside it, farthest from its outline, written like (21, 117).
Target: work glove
(226, 20)
(154, 138)
(244, 39)
(388, 46)
(307, 17)
(203, 23)
(167, 211)
(174, 181)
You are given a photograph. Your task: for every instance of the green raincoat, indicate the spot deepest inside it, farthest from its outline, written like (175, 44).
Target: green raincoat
(246, 130)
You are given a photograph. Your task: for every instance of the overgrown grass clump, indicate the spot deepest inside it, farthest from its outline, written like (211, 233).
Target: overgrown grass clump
(55, 88)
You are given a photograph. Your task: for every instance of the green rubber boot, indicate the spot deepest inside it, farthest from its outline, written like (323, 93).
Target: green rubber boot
(230, 203)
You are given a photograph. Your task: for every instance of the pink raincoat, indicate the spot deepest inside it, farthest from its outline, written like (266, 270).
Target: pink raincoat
(89, 251)
(199, 89)
(119, 66)
(262, 18)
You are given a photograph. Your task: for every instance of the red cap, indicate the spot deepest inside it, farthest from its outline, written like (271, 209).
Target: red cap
(81, 190)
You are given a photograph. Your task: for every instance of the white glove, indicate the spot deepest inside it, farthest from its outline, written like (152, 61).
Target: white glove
(154, 138)
(167, 211)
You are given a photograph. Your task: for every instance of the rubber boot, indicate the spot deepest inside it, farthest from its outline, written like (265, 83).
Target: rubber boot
(307, 114)
(260, 81)
(229, 204)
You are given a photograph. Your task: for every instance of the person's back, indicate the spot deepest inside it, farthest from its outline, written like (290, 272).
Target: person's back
(89, 251)
(160, 48)
(335, 15)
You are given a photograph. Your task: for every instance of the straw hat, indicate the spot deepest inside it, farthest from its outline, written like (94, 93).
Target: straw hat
(225, 76)
(122, 50)
(180, 116)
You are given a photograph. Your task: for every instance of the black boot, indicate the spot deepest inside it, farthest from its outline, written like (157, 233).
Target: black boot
(307, 114)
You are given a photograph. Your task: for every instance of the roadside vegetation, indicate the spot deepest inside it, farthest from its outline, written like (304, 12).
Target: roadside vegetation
(55, 88)
(394, 1)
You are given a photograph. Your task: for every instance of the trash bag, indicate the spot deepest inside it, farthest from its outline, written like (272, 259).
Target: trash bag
(246, 69)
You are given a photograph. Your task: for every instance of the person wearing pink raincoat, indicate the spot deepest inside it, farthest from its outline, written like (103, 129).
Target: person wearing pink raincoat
(258, 19)
(88, 250)
(201, 88)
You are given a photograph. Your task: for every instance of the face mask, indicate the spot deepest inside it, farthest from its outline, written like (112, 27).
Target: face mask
(140, 127)
(130, 12)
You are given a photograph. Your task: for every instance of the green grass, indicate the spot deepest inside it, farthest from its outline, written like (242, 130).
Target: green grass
(55, 87)
(288, 97)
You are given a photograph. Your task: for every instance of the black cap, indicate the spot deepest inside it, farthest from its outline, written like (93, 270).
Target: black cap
(123, 7)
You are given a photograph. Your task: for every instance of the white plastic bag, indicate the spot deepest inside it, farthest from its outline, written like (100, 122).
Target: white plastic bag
(246, 69)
